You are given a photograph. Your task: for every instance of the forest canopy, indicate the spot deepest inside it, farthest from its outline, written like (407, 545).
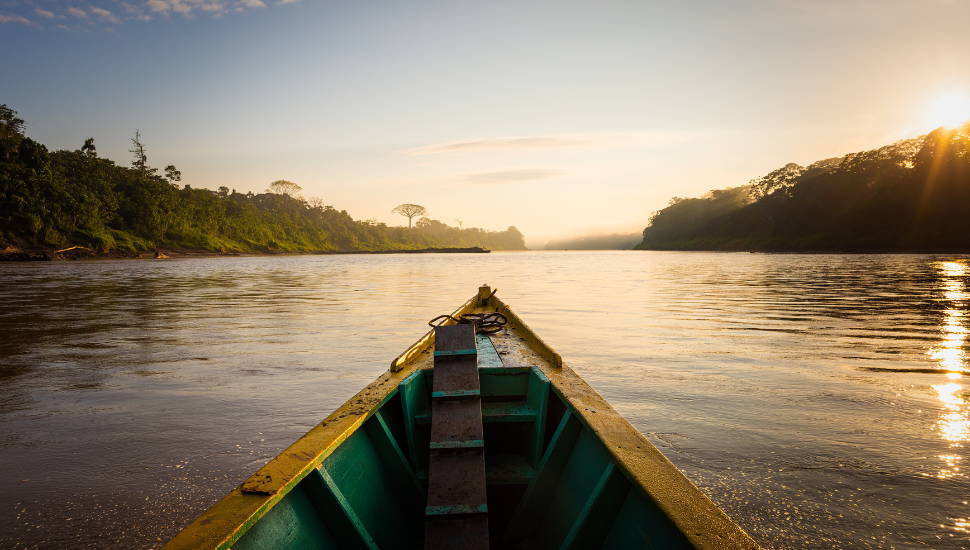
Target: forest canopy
(67, 198)
(913, 194)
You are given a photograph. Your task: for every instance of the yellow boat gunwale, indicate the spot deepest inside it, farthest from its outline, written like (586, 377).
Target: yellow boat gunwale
(704, 525)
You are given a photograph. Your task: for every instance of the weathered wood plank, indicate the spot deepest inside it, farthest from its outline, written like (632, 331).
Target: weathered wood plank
(454, 337)
(456, 470)
(507, 470)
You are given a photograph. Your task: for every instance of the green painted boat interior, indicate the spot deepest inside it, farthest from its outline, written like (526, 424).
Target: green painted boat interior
(550, 481)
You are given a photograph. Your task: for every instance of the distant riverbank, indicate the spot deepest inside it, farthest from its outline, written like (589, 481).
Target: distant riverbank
(75, 204)
(673, 247)
(911, 196)
(11, 253)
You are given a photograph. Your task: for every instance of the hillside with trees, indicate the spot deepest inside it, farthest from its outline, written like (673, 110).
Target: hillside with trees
(911, 195)
(59, 199)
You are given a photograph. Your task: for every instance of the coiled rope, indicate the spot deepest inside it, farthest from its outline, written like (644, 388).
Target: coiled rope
(485, 323)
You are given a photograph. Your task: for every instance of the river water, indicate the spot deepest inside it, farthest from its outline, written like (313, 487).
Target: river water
(818, 399)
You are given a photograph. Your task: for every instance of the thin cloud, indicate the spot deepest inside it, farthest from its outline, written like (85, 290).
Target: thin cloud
(14, 19)
(158, 6)
(48, 14)
(105, 15)
(180, 7)
(142, 10)
(511, 176)
(135, 12)
(530, 142)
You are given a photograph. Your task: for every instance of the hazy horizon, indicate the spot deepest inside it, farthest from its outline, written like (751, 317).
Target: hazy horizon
(559, 119)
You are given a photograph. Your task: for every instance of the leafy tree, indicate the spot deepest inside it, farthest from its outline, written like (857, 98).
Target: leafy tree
(779, 179)
(409, 211)
(11, 131)
(75, 197)
(88, 148)
(173, 174)
(912, 194)
(285, 188)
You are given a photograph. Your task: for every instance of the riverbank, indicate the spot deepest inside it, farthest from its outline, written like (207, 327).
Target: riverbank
(12, 253)
(850, 251)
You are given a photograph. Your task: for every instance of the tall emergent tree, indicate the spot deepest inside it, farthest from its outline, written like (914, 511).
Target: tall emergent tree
(11, 131)
(172, 174)
(315, 202)
(284, 187)
(410, 211)
(89, 149)
(141, 160)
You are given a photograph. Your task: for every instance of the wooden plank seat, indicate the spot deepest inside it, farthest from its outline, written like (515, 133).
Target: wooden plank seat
(495, 411)
(456, 515)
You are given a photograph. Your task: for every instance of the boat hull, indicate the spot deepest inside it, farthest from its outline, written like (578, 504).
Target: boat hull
(563, 468)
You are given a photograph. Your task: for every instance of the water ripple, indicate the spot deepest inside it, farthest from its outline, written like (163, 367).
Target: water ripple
(819, 399)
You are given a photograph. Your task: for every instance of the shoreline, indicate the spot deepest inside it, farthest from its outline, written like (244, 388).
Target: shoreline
(12, 253)
(842, 251)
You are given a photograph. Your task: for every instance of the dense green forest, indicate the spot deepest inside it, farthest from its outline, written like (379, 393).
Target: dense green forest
(68, 198)
(913, 194)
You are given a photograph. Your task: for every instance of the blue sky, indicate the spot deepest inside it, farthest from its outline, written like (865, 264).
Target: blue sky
(556, 117)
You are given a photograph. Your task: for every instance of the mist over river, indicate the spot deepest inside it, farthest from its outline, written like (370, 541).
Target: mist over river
(818, 399)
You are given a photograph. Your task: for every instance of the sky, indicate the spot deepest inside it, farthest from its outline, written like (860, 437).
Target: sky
(560, 118)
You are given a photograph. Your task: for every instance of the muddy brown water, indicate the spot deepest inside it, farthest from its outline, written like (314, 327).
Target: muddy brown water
(820, 400)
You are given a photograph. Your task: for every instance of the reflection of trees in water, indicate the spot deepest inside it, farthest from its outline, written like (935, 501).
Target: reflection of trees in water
(889, 298)
(69, 329)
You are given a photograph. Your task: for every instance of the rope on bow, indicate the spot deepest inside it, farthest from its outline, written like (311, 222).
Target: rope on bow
(485, 323)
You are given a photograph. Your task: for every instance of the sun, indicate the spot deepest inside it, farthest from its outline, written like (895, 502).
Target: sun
(950, 110)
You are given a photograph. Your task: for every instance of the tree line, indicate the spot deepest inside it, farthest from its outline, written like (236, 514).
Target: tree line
(913, 194)
(64, 198)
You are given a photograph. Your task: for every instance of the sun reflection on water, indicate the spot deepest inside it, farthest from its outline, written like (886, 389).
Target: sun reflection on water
(954, 421)
(952, 269)
(953, 468)
(949, 352)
